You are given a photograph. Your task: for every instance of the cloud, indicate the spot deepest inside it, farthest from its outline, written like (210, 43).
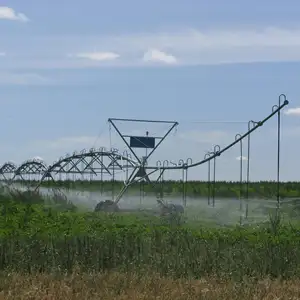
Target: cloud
(186, 47)
(154, 55)
(241, 158)
(7, 13)
(38, 158)
(97, 56)
(292, 111)
(2, 54)
(23, 79)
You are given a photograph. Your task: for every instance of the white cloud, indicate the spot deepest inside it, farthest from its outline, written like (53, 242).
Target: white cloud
(39, 159)
(23, 79)
(2, 53)
(97, 56)
(292, 111)
(154, 55)
(8, 13)
(241, 158)
(189, 47)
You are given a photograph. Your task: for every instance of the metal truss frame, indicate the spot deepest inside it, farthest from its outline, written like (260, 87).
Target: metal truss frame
(78, 163)
(8, 168)
(82, 162)
(276, 109)
(139, 173)
(29, 167)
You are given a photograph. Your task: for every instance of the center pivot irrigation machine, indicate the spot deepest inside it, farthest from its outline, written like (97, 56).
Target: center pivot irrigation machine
(98, 162)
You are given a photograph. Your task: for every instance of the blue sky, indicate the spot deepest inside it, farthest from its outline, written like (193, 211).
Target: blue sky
(66, 68)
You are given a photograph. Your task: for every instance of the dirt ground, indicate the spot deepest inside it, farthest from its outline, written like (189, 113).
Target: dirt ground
(119, 286)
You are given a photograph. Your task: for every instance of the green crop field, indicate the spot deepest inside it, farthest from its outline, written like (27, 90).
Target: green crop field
(44, 235)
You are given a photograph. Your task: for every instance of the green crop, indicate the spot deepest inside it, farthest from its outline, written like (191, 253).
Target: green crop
(36, 237)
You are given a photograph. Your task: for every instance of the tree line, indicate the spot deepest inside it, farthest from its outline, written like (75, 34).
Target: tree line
(259, 189)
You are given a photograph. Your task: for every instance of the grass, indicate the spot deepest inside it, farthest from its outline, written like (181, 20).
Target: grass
(36, 239)
(49, 246)
(121, 286)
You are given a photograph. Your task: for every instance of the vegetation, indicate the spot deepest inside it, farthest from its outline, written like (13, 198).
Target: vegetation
(262, 189)
(121, 286)
(35, 237)
(51, 236)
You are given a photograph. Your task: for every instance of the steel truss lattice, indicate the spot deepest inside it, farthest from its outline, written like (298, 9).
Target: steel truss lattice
(95, 162)
(8, 169)
(32, 169)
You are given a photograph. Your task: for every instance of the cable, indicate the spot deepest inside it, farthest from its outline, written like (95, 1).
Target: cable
(98, 136)
(109, 136)
(210, 121)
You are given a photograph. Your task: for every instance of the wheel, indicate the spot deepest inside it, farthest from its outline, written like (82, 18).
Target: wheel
(107, 206)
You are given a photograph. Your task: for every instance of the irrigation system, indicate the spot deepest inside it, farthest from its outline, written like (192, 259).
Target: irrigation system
(96, 163)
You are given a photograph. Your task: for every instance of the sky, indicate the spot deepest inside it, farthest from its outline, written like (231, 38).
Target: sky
(210, 65)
